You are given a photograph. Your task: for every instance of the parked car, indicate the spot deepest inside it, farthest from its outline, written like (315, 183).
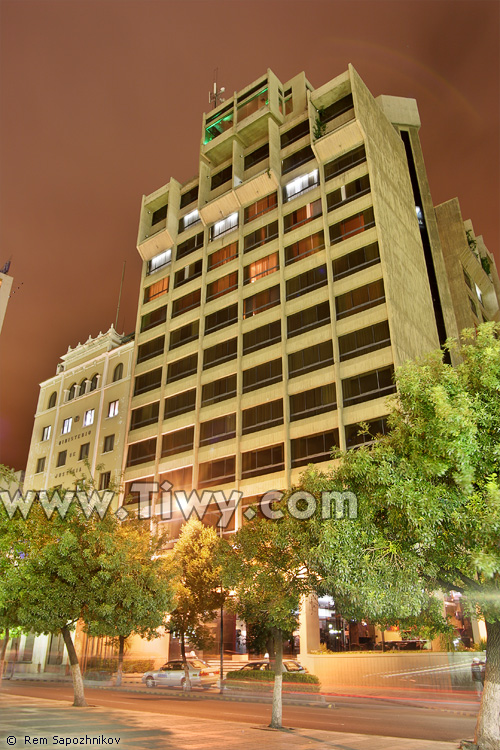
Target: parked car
(289, 665)
(172, 674)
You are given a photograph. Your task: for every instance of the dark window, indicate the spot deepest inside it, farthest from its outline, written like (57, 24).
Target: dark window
(222, 352)
(467, 279)
(473, 306)
(181, 403)
(221, 318)
(221, 177)
(159, 215)
(308, 360)
(345, 162)
(306, 282)
(118, 372)
(302, 215)
(52, 400)
(363, 257)
(218, 429)
(262, 375)
(104, 480)
(259, 338)
(336, 109)
(72, 392)
(262, 461)
(40, 465)
(260, 236)
(258, 88)
(218, 390)
(177, 442)
(295, 134)
(154, 318)
(312, 449)
(376, 427)
(188, 302)
(148, 381)
(182, 368)
(139, 453)
(297, 159)
(307, 246)
(61, 458)
(222, 286)
(189, 197)
(308, 319)
(359, 299)
(225, 255)
(260, 207)
(351, 226)
(262, 301)
(313, 402)
(260, 268)
(109, 443)
(368, 385)
(188, 273)
(263, 416)
(216, 472)
(158, 289)
(84, 451)
(364, 341)
(256, 156)
(150, 349)
(144, 415)
(190, 245)
(93, 382)
(348, 193)
(183, 335)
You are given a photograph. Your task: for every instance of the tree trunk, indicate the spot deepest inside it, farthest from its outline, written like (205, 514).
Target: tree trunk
(121, 649)
(487, 736)
(187, 682)
(3, 652)
(383, 640)
(277, 711)
(75, 668)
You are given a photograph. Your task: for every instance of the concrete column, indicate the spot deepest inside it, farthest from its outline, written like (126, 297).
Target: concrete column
(309, 625)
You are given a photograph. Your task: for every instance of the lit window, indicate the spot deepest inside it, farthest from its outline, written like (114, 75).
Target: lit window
(113, 408)
(479, 295)
(224, 225)
(191, 218)
(46, 433)
(160, 260)
(67, 425)
(301, 185)
(88, 419)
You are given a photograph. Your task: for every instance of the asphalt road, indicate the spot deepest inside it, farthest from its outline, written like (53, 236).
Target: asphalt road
(354, 715)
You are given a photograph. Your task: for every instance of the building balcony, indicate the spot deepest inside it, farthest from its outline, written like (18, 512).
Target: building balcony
(150, 246)
(258, 186)
(344, 133)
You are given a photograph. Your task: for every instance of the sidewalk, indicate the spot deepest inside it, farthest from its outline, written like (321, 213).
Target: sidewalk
(55, 724)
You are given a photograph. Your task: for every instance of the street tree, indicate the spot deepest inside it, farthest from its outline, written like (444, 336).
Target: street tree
(195, 573)
(267, 567)
(428, 503)
(134, 576)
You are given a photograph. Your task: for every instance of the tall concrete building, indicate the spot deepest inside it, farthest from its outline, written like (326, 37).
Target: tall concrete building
(81, 417)
(280, 289)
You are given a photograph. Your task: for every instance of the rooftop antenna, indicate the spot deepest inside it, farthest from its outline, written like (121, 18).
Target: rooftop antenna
(120, 296)
(215, 97)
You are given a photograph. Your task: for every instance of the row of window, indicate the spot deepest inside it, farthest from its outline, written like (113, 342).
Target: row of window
(108, 446)
(359, 388)
(347, 304)
(295, 188)
(88, 419)
(87, 385)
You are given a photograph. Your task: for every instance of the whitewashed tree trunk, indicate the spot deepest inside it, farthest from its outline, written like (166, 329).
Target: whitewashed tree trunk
(277, 712)
(79, 694)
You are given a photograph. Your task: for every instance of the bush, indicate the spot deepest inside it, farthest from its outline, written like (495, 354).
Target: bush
(268, 676)
(96, 676)
(97, 663)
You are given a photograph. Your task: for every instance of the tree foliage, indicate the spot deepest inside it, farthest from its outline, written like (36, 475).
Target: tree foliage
(428, 502)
